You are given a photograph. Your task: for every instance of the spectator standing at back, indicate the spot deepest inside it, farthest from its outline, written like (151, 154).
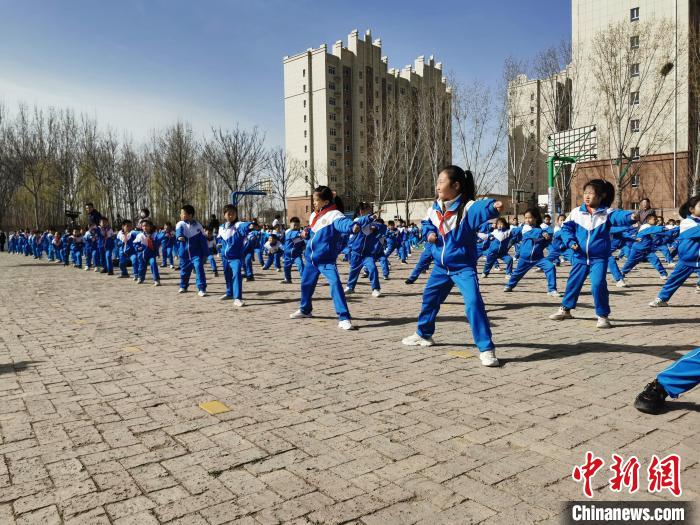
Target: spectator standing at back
(93, 215)
(645, 210)
(3, 239)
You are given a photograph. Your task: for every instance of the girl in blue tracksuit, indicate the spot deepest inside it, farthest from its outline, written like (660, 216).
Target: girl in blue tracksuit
(587, 232)
(619, 235)
(105, 246)
(126, 250)
(556, 248)
(76, 248)
(294, 245)
(362, 252)
(147, 245)
(688, 252)
(533, 240)
(167, 244)
(252, 245)
(496, 246)
(380, 251)
(192, 250)
(454, 220)
(643, 248)
(326, 224)
(232, 237)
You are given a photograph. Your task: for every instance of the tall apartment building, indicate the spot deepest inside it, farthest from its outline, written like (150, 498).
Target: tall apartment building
(662, 158)
(332, 102)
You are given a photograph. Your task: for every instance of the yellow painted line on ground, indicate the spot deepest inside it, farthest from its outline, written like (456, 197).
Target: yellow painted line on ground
(214, 407)
(80, 321)
(465, 354)
(132, 349)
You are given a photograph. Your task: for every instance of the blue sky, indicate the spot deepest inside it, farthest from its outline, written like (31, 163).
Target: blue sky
(139, 65)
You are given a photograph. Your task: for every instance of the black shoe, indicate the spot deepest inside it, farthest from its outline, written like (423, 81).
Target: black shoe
(408, 281)
(652, 400)
(250, 278)
(110, 273)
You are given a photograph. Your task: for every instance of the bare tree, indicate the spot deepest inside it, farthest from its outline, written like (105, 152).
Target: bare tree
(479, 132)
(694, 100)
(382, 157)
(133, 178)
(33, 142)
(100, 154)
(175, 155)
(283, 171)
(636, 93)
(411, 153)
(434, 121)
(67, 161)
(10, 167)
(236, 156)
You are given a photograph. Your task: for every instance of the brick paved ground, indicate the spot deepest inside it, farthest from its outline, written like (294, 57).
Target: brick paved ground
(100, 382)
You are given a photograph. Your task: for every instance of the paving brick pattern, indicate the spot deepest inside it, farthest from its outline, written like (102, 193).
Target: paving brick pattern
(100, 382)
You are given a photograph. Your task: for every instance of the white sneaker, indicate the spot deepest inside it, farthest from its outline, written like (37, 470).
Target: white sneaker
(237, 302)
(278, 270)
(657, 302)
(483, 276)
(202, 293)
(345, 325)
(156, 283)
(285, 281)
(182, 290)
(488, 358)
(507, 289)
(171, 267)
(553, 293)
(663, 277)
(561, 314)
(348, 290)
(603, 322)
(621, 284)
(136, 277)
(416, 340)
(299, 315)
(87, 268)
(225, 298)
(96, 269)
(376, 293)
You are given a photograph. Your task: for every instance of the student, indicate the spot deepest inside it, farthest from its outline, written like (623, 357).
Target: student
(232, 237)
(192, 250)
(293, 250)
(688, 252)
(57, 245)
(587, 232)
(556, 248)
(619, 236)
(167, 243)
(211, 245)
(92, 257)
(252, 246)
(273, 247)
(126, 250)
(380, 249)
(401, 242)
(454, 220)
(643, 248)
(533, 241)
(147, 246)
(76, 248)
(105, 246)
(362, 249)
(673, 381)
(326, 225)
(497, 246)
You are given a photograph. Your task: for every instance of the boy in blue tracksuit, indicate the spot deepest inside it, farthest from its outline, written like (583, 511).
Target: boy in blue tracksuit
(167, 244)
(273, 247)
(147, 246)
(556, 248)
(587, 232)
(401, 242)
(674, 380)
(619, 235)
(192, 250)
(391, 238)
(688, 252)
(91, 253)
(496, 247)
(76, 248)
(363, 246)
(211, 251)
(454, 220)
(105, 246)
(252, 246)
(380, 251)
(294, 245)
(533, 240)
(643, 248)
(322, 236)
(126, 250)
(232, 237)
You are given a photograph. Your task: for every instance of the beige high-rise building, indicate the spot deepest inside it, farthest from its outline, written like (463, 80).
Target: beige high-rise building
(333, 102)
(655, 127)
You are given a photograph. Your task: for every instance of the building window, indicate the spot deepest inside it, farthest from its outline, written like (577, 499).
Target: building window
(306, 149)
(306, 163)
(634, 14)
(333, 163)
(532, 109)
(361, 90)
(402, 91)
(532, 122)
(634, 98)
(634, 42)
(307, 208)
(331, 70)
(635, 181)
(376, 79)
(304, 102)
(348, 149)
(360, 104)
(331, 116)
(635, 153)
(331, 86)
(332, 132)
(532, 96)
(333, 147)
(346, 87)
(361, 120)
(303, 73)
(304, 118)
(348, 163)
(331, 101)
(634, 125)
(304, 133)
(360, 74)
(634, 70)
(303, 88)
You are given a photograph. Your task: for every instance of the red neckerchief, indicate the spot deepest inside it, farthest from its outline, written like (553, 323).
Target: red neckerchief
(325, 210)
(444, 217)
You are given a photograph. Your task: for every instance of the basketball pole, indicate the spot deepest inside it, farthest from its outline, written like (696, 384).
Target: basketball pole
(551, 175)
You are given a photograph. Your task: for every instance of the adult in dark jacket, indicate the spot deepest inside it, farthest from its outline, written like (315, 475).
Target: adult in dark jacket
(93, 215)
